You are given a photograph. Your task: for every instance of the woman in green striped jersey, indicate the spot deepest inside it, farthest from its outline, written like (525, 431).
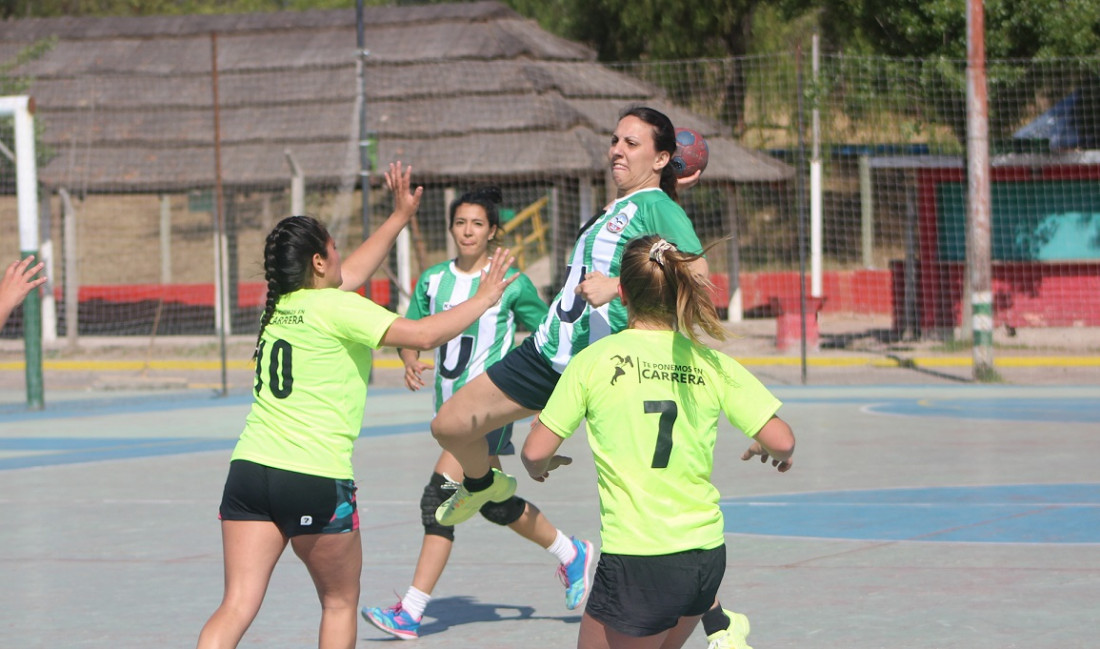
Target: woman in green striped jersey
(652, 396)
(290, 478)
(474, 219)
(584, 310)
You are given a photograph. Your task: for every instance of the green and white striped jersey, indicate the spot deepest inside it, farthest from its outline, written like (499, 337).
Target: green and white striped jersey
(484, 342)
(572, 324)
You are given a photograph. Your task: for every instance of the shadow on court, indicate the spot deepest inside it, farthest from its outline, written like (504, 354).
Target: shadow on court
(448, 613)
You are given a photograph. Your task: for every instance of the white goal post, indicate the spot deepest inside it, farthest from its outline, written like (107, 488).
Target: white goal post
(21, 109)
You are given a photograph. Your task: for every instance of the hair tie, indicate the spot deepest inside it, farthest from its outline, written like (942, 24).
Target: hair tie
(657, 251)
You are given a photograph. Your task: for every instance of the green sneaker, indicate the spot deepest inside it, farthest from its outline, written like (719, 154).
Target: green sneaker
(463, 504)
(735, 636)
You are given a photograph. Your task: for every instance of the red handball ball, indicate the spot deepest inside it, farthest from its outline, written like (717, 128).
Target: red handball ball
(692, 153)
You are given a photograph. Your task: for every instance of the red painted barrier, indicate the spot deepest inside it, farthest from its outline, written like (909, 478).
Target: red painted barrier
(848, 291)
(1043, 294)
(1047, 294)
(249, 294)
(720, 293)
(788, 321)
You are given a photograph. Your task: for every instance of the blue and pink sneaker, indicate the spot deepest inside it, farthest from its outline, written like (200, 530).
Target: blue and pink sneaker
(394, 621)
(576, 576)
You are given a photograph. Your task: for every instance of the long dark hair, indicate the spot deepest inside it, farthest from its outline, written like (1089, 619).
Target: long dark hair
(487, 197)
(288, 259)
(664, 138)
(661, 286)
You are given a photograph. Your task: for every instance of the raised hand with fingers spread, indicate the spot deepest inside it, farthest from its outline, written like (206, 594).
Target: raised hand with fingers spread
(19, 280)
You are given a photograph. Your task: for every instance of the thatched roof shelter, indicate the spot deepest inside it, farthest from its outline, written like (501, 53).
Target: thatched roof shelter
(126, 104)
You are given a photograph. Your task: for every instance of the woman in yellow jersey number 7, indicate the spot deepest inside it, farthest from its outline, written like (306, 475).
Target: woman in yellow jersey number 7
(585, 309)
(290, 476)
(652, 396)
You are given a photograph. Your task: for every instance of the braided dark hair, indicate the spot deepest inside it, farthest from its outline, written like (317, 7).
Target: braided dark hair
(288, 258)
(664, 139)
(487, 197)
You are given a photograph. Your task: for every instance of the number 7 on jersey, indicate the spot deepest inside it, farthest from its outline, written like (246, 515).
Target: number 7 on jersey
(667, 410)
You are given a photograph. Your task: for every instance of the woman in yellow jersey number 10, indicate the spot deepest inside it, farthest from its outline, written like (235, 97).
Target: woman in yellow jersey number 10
(290, 476)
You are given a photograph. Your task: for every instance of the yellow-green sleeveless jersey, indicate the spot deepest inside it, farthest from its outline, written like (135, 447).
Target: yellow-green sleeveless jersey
(572, 324)
(311, 380)
(652, 400)
(484, 342)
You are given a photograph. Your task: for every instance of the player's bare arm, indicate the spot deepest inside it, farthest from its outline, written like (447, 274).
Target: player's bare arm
(361, 264)
(414, 368)
(598, 289)
(539, 453)
(775, 441)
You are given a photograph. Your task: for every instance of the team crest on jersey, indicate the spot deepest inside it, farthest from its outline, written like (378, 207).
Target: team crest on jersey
(620, 364)
(617, 223)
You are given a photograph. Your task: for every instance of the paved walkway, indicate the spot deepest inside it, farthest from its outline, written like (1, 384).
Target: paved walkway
(917, 515)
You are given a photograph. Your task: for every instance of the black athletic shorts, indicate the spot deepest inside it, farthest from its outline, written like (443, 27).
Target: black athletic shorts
(296, 502)
(525, 376)
(643, 596)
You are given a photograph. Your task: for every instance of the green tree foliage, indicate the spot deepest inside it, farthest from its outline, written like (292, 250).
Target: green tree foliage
(925, 42)
(15, 85)
(638, 30)
(928, 35)
(1014, 29)
(11, 84)
(631, 30)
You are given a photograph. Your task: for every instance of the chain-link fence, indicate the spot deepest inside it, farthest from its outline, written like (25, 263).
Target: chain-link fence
(890, 138)
(134, 246)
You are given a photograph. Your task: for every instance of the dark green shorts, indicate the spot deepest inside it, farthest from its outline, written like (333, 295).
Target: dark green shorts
(525, 376)
(500, 441)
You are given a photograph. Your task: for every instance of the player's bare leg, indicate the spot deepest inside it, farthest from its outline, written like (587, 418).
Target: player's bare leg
(251, 550)
(596, 635)
(335, 562)
(436, 550)
(463, 421)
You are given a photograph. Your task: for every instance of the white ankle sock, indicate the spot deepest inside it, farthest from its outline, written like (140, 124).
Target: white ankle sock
(415, 601)
(563, 548)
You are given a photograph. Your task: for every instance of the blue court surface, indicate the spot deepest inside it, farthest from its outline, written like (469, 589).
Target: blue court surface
(1045, 409)
(1063, 513)
(914, 516)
